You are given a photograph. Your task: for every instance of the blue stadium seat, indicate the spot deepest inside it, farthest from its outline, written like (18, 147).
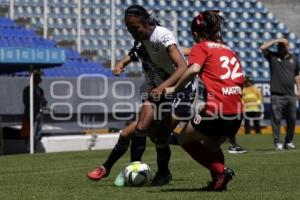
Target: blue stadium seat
(267, 36)
(247, 22)
(279, 35)
(242, 44)
(260, 7)
(254, 74)
(292, 36)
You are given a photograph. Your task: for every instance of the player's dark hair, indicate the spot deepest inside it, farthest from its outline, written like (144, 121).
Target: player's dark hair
(138, 11)
(208, 25)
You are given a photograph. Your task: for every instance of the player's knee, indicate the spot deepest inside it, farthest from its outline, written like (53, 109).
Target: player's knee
(125, 133)
(159, 141)
(140, 132)
(124, 141)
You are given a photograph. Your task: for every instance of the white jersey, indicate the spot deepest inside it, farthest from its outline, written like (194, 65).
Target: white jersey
(154, 75)
(156, 47)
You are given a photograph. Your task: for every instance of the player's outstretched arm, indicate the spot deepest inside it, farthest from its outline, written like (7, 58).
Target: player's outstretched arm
(121, 64)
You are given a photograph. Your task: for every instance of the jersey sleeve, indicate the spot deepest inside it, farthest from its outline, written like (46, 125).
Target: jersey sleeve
(197, 55)
(167, 38)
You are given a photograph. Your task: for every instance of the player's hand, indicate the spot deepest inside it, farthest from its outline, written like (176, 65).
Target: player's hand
(117, 70)
(156, 92)
(169, 90)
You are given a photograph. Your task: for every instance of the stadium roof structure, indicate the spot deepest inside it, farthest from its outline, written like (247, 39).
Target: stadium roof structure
(26, 59)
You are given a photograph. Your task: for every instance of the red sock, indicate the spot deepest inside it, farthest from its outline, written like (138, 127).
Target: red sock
(217, 162)
(212, 161)
(217, 168)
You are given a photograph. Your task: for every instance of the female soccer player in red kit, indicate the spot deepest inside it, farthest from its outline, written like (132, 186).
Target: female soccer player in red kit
(222, 75)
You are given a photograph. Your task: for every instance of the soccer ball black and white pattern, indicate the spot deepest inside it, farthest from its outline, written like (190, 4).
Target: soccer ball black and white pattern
(137, 174)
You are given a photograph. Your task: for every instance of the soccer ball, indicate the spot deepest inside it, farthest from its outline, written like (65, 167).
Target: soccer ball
(137, 174)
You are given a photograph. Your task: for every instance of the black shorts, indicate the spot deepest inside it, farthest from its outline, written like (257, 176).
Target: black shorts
(223, 125)
(178, 104)
(182, 103)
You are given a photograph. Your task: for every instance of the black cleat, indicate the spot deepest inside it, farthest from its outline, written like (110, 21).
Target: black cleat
(220, 181)
(235, 149)
(161, 179)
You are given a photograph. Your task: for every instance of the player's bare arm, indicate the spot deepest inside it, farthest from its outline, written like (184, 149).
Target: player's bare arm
(120, 66)
(186, 51)
(188, 75)
(180, 65)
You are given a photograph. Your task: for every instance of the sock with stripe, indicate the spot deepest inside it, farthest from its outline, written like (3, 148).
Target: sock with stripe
(138, 145)
(118, 151)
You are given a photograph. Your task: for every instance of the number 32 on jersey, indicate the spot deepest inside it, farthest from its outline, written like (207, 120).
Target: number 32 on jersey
(228, 64)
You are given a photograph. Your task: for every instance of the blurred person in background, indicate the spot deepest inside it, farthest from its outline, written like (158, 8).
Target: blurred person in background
(252, 99)
(40, 103)
(284, 70)
(234, 147)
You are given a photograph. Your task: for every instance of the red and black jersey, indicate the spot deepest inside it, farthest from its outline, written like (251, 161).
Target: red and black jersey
(222, 76)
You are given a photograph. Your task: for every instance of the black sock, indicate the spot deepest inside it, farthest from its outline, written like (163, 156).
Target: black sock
(232, 141)
(173, 139)
(163, 157)
(138, 145)
(118, 151)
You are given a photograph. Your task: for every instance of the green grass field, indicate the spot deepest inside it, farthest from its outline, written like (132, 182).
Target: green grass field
(262, 173)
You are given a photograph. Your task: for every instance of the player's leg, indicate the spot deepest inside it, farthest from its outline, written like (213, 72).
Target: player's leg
(160, 136)
(138, 143)
(204, 151)
(198, 146)
(121, 147)
(209, 154)
(117, 152)
(182, 110)
(221, 174)
(180, 106)
(138, 138)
